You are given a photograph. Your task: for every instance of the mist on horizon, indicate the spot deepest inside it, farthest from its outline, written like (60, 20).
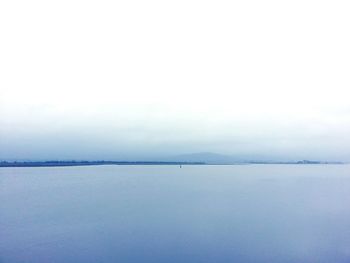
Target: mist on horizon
(147, 80)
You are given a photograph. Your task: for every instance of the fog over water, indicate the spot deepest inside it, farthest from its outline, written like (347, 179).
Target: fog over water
(132, 80)
(216, 81)
(241, 213)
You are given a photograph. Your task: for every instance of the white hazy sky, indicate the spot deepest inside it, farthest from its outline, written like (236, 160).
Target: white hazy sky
(143, 79)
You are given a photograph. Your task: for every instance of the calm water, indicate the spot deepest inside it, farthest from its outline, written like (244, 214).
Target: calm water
(243, 213)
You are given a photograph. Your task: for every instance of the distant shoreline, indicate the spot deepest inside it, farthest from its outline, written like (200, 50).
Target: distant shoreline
(94, 163)
(90, 163)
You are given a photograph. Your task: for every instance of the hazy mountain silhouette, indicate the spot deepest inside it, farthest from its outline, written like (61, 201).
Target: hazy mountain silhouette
(207, 157)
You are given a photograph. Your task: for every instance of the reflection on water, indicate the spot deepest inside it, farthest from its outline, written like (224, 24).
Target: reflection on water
(248, 213)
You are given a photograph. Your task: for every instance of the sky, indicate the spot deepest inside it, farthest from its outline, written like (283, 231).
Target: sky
(139, 80)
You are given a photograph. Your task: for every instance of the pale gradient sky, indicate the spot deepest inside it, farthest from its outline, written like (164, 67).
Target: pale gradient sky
(146, 79)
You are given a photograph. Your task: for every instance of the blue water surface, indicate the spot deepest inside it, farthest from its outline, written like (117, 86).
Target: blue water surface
(204, 213)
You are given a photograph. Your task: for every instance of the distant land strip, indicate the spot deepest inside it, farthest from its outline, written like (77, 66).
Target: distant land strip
(87, 163)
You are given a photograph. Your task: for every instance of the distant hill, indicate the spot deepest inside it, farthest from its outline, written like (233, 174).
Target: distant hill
(215, 158)
(206, 157)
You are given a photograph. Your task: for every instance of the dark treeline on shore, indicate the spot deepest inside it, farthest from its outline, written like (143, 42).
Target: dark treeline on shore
(86, 163)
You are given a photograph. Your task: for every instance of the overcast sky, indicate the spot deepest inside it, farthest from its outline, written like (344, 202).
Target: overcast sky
(146, 79)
